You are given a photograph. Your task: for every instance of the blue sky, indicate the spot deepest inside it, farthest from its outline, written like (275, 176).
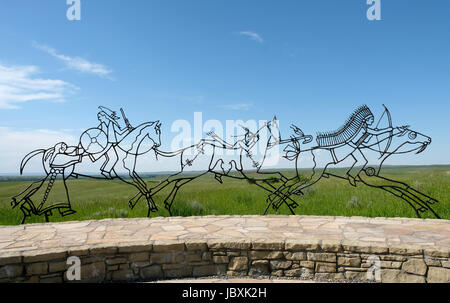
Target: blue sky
(309, 62)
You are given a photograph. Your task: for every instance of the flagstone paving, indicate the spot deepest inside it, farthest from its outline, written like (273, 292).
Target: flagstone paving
(387, 231)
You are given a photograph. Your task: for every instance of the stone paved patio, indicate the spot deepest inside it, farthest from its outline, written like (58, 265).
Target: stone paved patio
(392, 231)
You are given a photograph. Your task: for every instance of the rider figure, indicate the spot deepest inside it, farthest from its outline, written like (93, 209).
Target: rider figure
(115, 133)
(363, 136)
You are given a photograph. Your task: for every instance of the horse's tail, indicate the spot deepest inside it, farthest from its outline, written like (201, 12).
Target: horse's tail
(172, 153)
(29, 157)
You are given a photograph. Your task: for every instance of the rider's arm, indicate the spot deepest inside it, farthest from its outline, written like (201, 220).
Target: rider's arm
(380, 131)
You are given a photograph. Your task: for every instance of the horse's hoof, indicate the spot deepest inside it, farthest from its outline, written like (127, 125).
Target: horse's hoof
(131, 205)
(67, 212)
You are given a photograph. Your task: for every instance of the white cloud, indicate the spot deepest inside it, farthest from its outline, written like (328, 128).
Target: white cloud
(76, 63)
(238, 106)
(17, 85)
(17, 143)
(252, 35)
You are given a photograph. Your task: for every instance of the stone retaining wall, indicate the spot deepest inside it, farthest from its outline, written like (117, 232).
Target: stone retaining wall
(341, 260)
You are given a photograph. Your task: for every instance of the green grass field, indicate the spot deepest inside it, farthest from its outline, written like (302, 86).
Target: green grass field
(94, 199)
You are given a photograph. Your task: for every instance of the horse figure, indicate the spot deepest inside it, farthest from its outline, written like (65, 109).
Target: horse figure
(399, 140)
(244, 159)
(63, 161)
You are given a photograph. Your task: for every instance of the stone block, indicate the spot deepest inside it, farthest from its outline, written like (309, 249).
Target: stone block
(296, 245)
(93, 272)
(139, 256)
(178, 273)
(259, 267)
(437, 252)
(307, 264)
(238, 264)
(196, 245)
(11, 271)
(369, 248)
(415, 266)
(325, 267)
(323, 257)
(123, 275)
(295, 256)
(405, 250)
(261, 254)
(356, 275)
(167, 257)
(57, 266)
(278, 264)
(193, 257)
(397, 276)
(126, 248)
(9, 258)
(40, 256)
(438, 275)
(220, 259)
(102, 250)
(36, 268)
(241, 244)
(164, 246)
(390, 264)
(349, 261)
(293, 272)
(331, 246)
(207, 256)
(151, 272)
(268, 245)
(277, 273)
(209, 270)
(117, 260)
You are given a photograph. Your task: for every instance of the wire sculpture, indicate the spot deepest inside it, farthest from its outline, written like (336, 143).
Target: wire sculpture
(115, 141)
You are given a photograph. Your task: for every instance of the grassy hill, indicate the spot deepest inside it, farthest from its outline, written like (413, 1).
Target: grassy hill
(98, 199)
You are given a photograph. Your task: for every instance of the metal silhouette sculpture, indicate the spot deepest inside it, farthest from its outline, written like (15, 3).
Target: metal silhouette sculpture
(116, 142)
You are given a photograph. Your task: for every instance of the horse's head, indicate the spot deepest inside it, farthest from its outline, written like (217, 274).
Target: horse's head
(407, 140)
(274, 132)
(157, 138)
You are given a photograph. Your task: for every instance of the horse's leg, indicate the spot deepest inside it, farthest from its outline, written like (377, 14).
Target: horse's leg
(398, 189)
(133, 201)
(27, 211)
(296, 184)
(151, 205)
(424, 205)
(296, 187)
(136, 179)
(270, 188)
(168, 202)
(264, 184)
(417, 194)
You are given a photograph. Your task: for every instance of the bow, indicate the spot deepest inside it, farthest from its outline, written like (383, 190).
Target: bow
(388, 114)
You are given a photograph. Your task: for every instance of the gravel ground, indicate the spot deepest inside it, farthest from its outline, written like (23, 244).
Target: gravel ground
(261, 279)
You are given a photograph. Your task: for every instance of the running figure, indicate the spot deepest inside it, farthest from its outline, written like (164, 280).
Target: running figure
(348, 140)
